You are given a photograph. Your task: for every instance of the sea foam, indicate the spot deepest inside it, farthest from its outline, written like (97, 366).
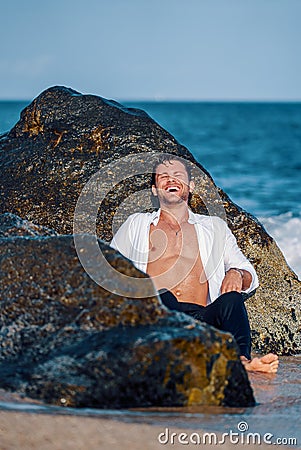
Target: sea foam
(286, 231)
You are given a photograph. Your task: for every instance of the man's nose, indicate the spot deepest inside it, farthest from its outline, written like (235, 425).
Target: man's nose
(172, 178)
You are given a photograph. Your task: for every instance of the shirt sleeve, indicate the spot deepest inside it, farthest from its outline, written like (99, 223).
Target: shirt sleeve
(235, 258)
(122, 239)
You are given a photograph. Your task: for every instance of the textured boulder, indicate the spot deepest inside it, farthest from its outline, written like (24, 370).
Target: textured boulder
(67, 341)
(12, 225)
(63, 138)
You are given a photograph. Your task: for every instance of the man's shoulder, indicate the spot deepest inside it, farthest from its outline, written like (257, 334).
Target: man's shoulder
(209, 220)
(142, 215)
(139, 217)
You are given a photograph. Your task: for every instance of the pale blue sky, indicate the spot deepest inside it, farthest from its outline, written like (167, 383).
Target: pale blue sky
(152, 49)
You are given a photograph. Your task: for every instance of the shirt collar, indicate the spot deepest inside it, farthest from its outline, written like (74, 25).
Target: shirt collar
(155, 216)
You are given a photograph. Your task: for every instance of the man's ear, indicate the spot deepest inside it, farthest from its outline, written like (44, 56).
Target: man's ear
(191, 186)
(154, 190)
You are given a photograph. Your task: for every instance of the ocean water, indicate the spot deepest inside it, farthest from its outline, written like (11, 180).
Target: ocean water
(252, 150)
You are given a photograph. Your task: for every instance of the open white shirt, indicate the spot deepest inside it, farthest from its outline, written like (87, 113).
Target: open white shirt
(218, 247)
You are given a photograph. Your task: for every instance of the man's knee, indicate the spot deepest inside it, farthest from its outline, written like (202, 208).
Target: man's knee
(231, 299)
(232, 296)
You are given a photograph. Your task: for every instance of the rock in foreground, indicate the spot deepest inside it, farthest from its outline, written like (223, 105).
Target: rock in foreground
(67, 341)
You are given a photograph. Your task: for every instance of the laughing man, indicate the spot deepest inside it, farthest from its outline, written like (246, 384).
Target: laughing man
(193, 260)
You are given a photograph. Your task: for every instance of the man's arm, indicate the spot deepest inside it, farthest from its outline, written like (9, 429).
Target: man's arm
(121, 240)
(236, 280)
(240, 275)
(131, 240)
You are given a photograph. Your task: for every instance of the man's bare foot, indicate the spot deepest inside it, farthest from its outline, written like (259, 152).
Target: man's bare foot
(267, 363)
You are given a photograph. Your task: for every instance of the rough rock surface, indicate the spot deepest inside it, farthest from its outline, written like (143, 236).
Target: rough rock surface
(64, 137)
(67, 341)
(12, 225)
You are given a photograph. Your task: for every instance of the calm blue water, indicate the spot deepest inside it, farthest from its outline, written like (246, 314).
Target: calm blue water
(252, 150)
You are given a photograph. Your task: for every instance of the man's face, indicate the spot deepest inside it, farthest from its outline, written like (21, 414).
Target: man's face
(172, 183)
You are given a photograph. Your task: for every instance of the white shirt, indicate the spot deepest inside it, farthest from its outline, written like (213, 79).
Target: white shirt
(218, 247)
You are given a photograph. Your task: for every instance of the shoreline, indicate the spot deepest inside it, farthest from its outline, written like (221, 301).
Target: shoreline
(30, 431)
(49, 427)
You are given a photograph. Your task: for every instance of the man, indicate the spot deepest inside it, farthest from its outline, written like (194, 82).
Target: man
(193, 260)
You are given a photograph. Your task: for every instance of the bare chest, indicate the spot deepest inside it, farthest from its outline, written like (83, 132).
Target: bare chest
(166, 242)
(174, 262)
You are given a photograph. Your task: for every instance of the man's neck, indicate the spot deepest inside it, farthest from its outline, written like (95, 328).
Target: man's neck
(175, 214)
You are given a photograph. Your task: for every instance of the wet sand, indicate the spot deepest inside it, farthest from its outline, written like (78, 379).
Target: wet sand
(29, 431)
(25, 424)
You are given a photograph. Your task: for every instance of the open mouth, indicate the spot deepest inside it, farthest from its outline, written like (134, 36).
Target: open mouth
(172, 189)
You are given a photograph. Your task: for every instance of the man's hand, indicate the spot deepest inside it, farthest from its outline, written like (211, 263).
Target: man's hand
(236, 281)
(232, 281)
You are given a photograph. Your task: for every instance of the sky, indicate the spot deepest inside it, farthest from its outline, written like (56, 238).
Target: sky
(152, 49)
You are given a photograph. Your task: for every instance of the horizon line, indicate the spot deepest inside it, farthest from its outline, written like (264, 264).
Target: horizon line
(176, 100)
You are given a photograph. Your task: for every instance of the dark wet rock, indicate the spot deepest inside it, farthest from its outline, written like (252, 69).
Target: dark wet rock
(63, 138)
(67, 341)
(12, 225)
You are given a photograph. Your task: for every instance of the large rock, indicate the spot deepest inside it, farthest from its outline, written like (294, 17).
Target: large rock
(12, 225)
(68, 341)
(63, 138)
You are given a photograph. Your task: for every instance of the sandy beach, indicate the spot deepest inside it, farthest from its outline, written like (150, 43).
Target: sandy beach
(29, 431)
(54, 432)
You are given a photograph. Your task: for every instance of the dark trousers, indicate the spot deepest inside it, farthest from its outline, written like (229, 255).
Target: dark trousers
(227, 313)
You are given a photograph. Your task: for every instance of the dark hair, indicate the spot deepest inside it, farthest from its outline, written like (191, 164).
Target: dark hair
(169, 158)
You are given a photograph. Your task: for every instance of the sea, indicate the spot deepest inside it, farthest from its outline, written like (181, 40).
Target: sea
(252, 150)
